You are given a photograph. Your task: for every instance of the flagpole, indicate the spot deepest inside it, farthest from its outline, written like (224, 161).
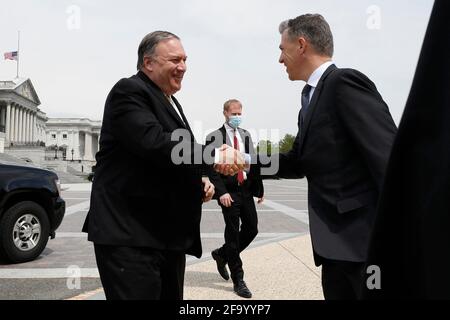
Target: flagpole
(18, 52)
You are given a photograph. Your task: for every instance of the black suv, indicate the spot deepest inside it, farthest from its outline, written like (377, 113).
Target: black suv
(31, 209)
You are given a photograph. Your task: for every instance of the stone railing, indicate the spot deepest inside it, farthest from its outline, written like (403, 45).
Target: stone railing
(24, 145)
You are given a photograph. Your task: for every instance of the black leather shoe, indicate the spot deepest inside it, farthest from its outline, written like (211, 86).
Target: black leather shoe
(221, 264)
(241, 289)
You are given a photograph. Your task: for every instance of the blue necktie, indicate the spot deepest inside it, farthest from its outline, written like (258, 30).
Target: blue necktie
(305, 104)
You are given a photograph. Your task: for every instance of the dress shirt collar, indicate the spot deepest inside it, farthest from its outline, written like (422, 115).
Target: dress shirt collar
(317, 74)
(229, 129)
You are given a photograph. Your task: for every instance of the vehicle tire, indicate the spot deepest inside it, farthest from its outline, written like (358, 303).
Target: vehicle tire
(24, 232)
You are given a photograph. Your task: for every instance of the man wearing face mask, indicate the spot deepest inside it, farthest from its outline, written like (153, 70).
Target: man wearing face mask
(235, 196)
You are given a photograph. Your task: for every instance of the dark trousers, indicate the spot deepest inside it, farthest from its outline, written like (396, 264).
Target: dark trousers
(132, 273)
(343, 280)
(241, 227)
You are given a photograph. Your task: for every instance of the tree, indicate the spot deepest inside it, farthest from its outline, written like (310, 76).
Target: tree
(266, 147)
(286, 143)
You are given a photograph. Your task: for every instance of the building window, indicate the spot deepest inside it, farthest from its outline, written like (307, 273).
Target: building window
(64, 135)
(53, 135)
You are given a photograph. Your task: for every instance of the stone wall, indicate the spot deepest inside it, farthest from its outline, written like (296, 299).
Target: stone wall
(34, 154)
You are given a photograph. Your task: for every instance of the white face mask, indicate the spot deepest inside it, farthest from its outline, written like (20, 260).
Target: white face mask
(234, 121)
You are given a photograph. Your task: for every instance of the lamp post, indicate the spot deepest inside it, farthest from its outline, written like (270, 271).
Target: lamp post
(56, 151)
(72, 154)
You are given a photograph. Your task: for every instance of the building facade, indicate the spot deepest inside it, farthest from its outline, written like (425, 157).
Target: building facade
(77, 139)
(24, 128)
(19, 113)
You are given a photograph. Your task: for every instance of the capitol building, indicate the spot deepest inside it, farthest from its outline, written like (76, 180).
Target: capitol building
(28, 134)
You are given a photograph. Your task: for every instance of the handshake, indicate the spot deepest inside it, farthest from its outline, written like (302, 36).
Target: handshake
(230, 161)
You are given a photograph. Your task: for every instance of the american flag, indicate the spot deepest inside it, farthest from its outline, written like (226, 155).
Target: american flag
(14, 55)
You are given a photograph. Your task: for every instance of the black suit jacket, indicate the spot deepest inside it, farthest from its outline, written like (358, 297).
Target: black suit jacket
(342, 149)
(225, 184)
(139, 196)
(411, 237)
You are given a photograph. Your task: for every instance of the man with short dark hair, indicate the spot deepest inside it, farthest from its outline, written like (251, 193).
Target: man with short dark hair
(345, 134)
(145, 209)
(344, 139)
(235, 197)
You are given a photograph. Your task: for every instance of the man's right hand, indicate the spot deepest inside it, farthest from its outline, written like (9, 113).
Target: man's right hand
(226, 200)
(230, 162)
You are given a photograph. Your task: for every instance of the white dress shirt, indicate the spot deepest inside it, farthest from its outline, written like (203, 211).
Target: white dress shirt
(230, 132)
(314, 78)
(175, 107)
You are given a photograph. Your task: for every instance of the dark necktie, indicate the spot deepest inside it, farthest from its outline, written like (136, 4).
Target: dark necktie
(305, 104)
(240, 175)
(305, 98)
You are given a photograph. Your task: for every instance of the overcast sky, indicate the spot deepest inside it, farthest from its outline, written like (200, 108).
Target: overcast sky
(75, 51)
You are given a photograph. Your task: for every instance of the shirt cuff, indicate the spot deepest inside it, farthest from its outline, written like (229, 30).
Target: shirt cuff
(247, 158)
(216, 155)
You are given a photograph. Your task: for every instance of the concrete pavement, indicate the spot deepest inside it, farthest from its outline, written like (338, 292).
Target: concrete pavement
(281, 270)
(278, 263)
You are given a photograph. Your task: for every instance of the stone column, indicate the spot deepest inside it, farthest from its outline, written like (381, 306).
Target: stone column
(12, 122)
(31, 135)
(39, 133)
(20, 125)
(16, 123)
(72, 144)
(28, 126)
(88, 146)
(8, 122)
(42, 136)
(24, 124)
(76, 145)
(33, 126)
(25, 131)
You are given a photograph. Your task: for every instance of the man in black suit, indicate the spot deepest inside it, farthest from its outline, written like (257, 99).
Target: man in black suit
(345, 134)
(342, 147)
(235, 196)
(410, 241)
(146, 203)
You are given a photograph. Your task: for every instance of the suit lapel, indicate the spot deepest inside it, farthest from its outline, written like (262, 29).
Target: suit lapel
(312, 106)
(244, 139)
(180, 109)
(226, 138)
(162, 98)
